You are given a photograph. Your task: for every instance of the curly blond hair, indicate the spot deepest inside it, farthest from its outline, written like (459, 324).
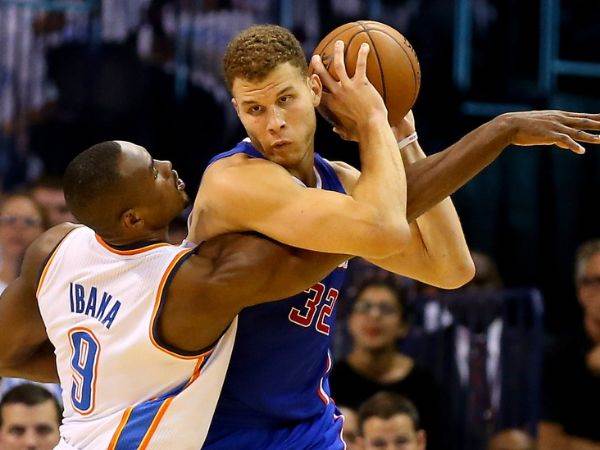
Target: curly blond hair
(257, 50)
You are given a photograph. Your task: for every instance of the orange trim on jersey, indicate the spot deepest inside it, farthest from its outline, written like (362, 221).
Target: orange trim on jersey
(134, 251)
(161, 412)
(163, 409)
(159, 294)
(44, 272)
(119, 430)
(159, 415)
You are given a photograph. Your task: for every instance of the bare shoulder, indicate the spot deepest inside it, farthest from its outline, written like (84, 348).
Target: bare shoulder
(235, 173)
(40, 249)
(347, 174)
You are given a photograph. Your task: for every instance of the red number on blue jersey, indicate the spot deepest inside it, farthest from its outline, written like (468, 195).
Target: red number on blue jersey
(315, 295)
(326, 311)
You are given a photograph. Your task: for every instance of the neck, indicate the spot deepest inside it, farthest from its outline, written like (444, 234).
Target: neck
(373, 362)
(136, 240)
(304, 170)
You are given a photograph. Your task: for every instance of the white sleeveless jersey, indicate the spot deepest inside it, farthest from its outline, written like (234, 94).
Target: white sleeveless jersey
(121, 389)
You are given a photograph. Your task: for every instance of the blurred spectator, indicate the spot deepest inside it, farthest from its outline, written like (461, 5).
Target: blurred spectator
(511, 439)
(376, 324)
(389, 421)
(29, 419)
(571, 385)
(350, 432)
(483, 344)
(8, 384)
(48, 192)
(22, 220)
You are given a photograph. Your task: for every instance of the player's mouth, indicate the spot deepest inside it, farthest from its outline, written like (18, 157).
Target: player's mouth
(280, 143)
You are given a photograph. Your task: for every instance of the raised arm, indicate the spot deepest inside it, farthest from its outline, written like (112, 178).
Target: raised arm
(25, 351)
(436, 177)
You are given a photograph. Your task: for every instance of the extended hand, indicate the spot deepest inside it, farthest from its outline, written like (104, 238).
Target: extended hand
(562, 128)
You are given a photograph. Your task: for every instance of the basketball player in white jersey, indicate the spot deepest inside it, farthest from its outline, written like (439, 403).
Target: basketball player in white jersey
(143, 330)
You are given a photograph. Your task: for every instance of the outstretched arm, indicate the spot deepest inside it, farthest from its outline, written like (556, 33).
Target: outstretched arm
(434, 178)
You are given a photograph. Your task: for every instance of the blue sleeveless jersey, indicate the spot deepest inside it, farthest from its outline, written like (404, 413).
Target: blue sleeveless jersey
(278, 373)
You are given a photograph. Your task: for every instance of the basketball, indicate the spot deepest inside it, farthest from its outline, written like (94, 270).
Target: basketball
(392, 64)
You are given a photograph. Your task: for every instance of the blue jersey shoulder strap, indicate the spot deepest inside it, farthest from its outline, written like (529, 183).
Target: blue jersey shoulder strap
(329, 177)
(244, 146)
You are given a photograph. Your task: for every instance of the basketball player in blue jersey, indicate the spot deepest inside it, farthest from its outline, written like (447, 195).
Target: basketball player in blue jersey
(276, 393)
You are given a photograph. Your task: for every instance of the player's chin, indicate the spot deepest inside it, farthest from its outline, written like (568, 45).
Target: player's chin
(185, 198)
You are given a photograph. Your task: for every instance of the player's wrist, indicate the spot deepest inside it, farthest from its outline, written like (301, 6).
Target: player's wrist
(405, 142)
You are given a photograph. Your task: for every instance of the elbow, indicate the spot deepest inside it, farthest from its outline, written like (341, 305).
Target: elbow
(459, 274)
(387, 238)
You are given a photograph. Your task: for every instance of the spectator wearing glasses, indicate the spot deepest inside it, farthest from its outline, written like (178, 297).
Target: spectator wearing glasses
(376, 324)
(21, 221)
(571, 377)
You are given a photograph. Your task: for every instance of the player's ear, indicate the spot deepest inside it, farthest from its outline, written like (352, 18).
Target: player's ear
(131, 220)
(235, 105)
(316, 88)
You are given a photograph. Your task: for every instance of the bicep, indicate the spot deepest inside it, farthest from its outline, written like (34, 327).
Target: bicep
(259, 270)
(277, 207)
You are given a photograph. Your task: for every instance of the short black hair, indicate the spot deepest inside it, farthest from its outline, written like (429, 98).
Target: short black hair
(90, 179)
(30, 395)
(386, 405)
(400, 292)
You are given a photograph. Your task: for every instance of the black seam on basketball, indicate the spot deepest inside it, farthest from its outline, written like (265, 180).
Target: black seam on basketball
(334, 37)
(347, 46)
(378, 62)
(413, 67)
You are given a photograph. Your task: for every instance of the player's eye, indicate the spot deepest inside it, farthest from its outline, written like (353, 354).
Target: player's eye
(285, 99)
(155, 172)
(256, 109)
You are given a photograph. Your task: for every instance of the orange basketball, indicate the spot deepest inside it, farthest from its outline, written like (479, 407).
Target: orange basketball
(392, 64)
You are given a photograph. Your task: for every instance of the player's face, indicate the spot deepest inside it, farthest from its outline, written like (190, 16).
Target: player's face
(376, 319)
(159, 191)
(278, 113)
(395, 433)
(588, 288)
(20, 224)
(29, 427)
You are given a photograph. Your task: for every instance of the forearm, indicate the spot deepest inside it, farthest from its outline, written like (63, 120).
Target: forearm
(436, 177)
(40, 366)
(440, 230)
(382, 182)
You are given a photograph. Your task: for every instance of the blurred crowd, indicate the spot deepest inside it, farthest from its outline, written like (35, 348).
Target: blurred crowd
(416, 367)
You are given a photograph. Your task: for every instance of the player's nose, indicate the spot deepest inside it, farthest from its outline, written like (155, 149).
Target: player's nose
(276, 119)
